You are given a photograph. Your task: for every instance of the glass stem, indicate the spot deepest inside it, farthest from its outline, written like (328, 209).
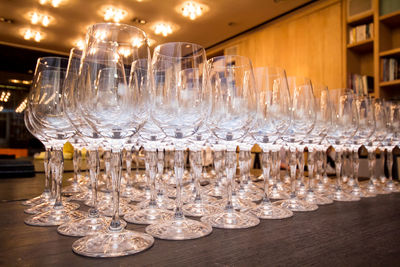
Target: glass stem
(160, 171)
(107, 166)
(151, 158)
(338, 164)
(47, 173)
(230, 164)
(94, 170)
(266, 169)
(128, 161)
(75, 162)
(356, 166)
(292, 166)
(242, 167)
(179, 169)
(310, 167)
(116, 169)
(389, 162)
(198, 166)
(276, 161)
(59, 169)
(371, 165)
(301, 163)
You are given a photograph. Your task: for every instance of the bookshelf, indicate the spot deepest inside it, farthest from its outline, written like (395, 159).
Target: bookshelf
(377, 56)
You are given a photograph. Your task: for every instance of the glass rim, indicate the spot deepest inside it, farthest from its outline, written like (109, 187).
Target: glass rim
(198, 54)
(243, 58)
(122, 25)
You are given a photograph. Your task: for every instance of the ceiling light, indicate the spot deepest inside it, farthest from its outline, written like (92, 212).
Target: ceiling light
(1, 108)
(54, 3)
(4, 96)
(192, 9)
(14, 81)
(79, 44)
(162, 28)
(29, 34)
(114, 14)
(21, 106)
(39, 18)
(6, 20)
(139, 21)
(26, 82)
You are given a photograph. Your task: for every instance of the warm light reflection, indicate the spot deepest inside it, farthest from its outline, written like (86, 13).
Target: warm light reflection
(163, 28)
(21, 106)
(39, 18)
(192, 10)
(29, 34)
(4, 96)
(114, 14)
(79, 44)
(53, 3)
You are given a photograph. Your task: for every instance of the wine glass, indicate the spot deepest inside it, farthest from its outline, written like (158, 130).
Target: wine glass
(302, 123)
(273, 119)
(344, 126)
(180, 105)
(115, 110)
(47, 111)
(315, 139)
(234, 107)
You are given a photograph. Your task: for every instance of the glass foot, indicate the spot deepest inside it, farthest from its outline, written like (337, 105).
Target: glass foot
(132, 193)
(43, 198)
(248, 195)
(392, 187)
(112, 244)
(162, 203)
(340, 195)
(179, 229)
(124, 208)
(296, 204)
(149, 216)
(72, 189)
(54, 217)
(85, 226)
(275, 193)
(49, 206)
(317, 199)
(231, 220)
(200, 209)
(265, 210)
(216, 191)
(83, 196)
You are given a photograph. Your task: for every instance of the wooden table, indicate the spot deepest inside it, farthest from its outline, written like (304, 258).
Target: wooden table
(359, 233)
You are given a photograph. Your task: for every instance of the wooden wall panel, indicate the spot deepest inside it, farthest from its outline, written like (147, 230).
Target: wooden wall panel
(307, 42)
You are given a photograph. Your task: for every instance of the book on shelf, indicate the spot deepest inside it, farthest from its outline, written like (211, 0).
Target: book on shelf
(361, 33)
(389, 69)
(361, 84)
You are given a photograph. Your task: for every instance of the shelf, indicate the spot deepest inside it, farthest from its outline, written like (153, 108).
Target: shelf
(363, 46)
(390, 83)
(391, 52)
(391, 19)
(362, 18)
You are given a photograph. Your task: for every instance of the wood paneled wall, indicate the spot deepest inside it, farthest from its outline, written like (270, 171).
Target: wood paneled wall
(307, 42)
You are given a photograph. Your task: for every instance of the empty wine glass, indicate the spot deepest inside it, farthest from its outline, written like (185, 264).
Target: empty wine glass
(302, 123)
(343, 127)
(179, 108)
(47, 110)
(234, 107)
(115, 110)
(273, 119)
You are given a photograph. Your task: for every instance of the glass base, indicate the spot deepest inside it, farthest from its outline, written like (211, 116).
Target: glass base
(124, 208)
(340, 195)
(317, 199)
(72, 189)
(231, 220)
(275, 193)
(43, 198)
(162, 203)
(132, 193)
(265, 210)
(83, 196)
(54, 217)
(249, 195)
(391, 187)
(149, 216)
(44, 207)
(86, 226)
(112, 244)
(179, 229)
(216, 191)
(200, 209)
(296, 204)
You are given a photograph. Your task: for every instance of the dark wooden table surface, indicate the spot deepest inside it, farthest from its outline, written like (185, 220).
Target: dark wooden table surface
(364, 233)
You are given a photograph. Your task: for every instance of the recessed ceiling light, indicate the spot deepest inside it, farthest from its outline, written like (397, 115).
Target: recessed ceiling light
(111, 13)
(162, 28)
(139, 21)
(53, 3)
(80, 44)
(192, 9)
(35, 35)
(39, 18)
(6, 20)
(21, 106)
(1, 108)
(4, 96)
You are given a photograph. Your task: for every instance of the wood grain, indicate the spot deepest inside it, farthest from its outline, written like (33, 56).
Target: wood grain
(345, 234)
